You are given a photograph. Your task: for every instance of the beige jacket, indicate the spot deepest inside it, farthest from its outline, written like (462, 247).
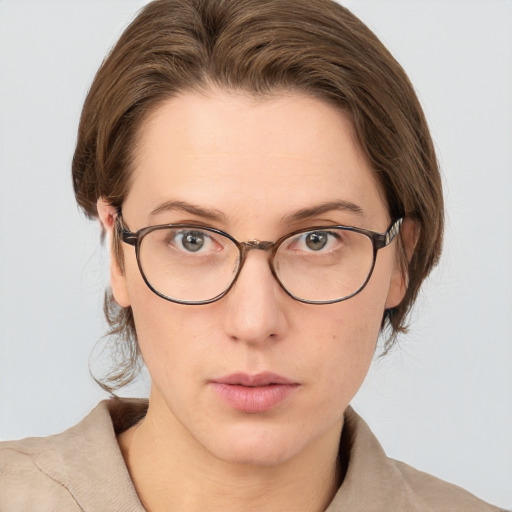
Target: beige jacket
(82, 469)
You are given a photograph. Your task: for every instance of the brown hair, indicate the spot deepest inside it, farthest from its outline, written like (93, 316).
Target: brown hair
(315, 46)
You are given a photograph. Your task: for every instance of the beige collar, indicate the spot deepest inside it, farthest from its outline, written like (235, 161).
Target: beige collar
(87, 461)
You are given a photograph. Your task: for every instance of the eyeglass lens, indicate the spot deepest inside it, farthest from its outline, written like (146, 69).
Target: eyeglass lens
(191, 264)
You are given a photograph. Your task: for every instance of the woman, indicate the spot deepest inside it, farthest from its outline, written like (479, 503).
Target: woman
(270, 191)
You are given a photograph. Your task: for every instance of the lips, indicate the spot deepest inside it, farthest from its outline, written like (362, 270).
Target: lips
(253, 393)
(260, 379)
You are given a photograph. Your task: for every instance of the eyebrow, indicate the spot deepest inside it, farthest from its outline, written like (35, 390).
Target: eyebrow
(306, 213)
(300, 215)
(183, 206)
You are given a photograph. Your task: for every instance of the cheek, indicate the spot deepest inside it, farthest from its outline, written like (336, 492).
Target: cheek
(153, 323)
(346, 346)
(353, 339)
(170, 336)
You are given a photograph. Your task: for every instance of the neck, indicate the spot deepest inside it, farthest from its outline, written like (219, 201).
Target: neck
(172, 472)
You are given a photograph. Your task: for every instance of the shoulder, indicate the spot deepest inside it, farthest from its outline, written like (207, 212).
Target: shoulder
(24, 484)
(81, 468)
(374, 482)
(426, 492)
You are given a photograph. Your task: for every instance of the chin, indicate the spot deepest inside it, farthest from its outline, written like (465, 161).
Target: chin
(260, 444)
(253, 441)
(250, 452)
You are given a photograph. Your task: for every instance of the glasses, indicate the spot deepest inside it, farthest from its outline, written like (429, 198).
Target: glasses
(192, 264)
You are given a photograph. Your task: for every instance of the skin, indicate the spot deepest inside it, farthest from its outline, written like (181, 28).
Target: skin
(256, 161)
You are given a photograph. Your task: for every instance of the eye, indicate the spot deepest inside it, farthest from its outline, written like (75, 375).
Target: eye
(315, 241)
(194, 241)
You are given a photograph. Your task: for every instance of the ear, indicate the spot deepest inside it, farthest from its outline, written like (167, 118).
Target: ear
(107, 215)
(409, 233)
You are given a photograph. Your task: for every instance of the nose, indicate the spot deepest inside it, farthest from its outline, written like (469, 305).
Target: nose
(255, 306)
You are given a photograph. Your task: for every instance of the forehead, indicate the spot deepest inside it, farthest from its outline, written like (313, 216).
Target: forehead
(255, 157)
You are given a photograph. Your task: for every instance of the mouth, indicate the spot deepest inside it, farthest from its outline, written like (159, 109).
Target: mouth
(253, 393)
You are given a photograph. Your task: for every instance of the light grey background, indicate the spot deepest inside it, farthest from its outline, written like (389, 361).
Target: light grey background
(442, 401)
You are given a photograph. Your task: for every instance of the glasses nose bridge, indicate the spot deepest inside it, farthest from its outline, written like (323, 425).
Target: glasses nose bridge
(257, 245)
(246, 247)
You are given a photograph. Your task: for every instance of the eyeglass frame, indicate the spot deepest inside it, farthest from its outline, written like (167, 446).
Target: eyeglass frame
(379, 241)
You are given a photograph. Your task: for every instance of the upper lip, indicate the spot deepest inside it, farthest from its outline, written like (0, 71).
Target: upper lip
(259, 379)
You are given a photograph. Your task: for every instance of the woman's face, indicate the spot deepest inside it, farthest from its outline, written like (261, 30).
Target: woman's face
(254, 162)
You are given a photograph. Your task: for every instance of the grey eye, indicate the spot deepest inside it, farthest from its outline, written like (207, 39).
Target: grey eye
(193, 241)
(316, 240)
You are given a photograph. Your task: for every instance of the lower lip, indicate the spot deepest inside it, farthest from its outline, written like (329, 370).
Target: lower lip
(254, 399)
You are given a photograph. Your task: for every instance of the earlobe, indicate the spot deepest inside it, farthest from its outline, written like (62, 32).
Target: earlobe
(409, 234)
(107, 215)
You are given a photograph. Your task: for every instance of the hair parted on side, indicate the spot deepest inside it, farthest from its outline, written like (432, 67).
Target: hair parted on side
(260, 46)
